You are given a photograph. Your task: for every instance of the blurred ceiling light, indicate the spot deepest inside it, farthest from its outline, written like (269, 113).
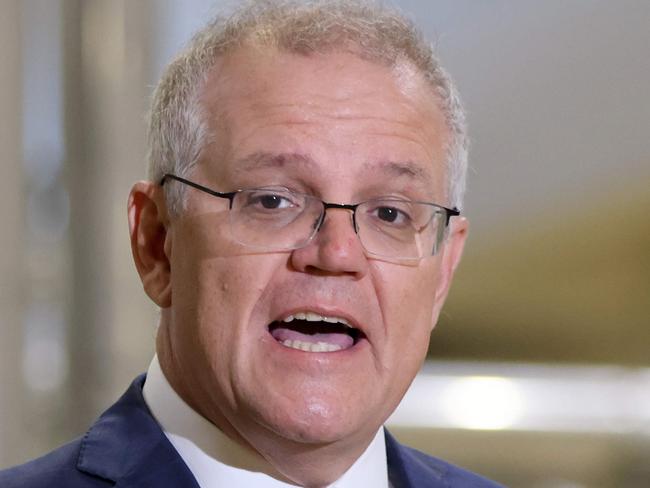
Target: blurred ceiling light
(516, 396)
(44, 355)
(482, 403)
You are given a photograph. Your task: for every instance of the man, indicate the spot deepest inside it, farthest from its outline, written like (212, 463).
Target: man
(299, 232)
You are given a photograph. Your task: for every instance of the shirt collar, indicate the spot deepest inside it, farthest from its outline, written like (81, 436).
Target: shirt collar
(216, 460)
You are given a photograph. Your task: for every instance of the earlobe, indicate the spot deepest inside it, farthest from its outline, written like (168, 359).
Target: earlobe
(148, 221)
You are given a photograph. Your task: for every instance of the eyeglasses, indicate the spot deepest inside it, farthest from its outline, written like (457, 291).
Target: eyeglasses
(278, 219)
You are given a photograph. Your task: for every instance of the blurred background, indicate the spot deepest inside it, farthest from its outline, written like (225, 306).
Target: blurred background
(539, 370)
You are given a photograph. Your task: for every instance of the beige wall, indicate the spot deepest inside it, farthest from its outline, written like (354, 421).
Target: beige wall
(86, 273)
(106, 96)
(11, 228)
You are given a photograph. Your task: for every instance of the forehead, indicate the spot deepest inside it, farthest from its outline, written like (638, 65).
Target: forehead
(326, 113)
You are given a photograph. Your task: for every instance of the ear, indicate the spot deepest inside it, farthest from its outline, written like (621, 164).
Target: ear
(451, 252)
(148, 223)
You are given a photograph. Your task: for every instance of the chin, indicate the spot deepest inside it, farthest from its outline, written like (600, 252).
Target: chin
(317, 422)
(316, 433)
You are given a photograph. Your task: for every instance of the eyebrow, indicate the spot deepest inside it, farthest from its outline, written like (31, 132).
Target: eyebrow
(261, 160)
(392, 169)
(409, 169)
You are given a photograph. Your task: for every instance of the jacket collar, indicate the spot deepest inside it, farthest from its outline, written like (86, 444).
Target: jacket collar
(410, 468)
(127, 446)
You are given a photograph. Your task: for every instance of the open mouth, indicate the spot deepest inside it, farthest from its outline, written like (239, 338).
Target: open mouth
(311, 332)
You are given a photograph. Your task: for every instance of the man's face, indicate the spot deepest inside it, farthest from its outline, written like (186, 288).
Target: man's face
(345, 130)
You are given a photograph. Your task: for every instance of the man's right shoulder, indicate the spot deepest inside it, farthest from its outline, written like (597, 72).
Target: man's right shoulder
(55, 469)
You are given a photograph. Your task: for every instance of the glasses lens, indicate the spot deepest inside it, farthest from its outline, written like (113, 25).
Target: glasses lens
(399, 229)
(278, 219)
(273, 219)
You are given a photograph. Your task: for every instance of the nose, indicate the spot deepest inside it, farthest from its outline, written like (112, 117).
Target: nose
(335, 249)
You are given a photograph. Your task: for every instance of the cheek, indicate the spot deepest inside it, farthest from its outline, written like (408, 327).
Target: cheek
(229, 291)
(220, 318)
(216, 287)
(407, 299)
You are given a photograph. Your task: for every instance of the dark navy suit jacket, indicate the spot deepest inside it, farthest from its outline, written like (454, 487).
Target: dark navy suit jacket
(126, 448)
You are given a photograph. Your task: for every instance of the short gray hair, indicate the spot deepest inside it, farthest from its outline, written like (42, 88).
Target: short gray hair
(178, 129)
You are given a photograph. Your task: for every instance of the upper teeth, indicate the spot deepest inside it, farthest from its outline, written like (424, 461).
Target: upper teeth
(314, 317)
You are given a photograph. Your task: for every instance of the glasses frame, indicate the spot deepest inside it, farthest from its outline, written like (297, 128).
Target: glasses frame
(230, 196)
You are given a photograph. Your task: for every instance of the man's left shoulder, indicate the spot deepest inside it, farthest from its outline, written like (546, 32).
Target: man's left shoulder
(408, 467)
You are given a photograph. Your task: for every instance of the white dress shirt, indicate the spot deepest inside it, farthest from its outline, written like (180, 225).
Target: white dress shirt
(217, 461)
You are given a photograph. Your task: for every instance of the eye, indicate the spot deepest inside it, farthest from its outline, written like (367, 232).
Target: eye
(388, 214)
(272, 201)
(391, 214)
(266, 200)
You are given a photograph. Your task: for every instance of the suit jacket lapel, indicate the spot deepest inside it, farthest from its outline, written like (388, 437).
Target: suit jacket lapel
(127, 446)
(407, 470)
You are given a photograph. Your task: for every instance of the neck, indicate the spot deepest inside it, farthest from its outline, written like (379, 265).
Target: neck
(309, 465)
